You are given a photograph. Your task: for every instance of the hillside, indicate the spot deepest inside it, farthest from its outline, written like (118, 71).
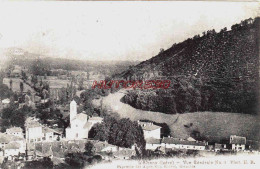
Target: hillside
(212, 72)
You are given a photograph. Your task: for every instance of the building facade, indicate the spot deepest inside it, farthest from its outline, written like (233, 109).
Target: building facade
(238, 143)
(80, 124)
(150, 130)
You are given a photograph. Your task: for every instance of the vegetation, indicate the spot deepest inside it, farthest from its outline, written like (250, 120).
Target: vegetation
(213, 72)
(123, 133)
(45, 163)
(80, 160)
(12, 116)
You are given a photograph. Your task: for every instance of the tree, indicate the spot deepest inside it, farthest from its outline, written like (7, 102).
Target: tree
(34, 80)
(46, 163)
(161, 50)
(89, 149)
(99, 132)
(24, 76)
(11, 84)
(75, 160)
(29, 93)
(81, 84)
(21, 87)
(123, 133)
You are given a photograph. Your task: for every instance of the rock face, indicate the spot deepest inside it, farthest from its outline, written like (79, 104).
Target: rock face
(221, 70)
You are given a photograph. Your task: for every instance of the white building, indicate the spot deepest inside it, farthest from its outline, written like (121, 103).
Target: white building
(35, 132)
(12, 145)
(5, 103)
(238, 143)
(16, 131)
(152, 144)
(14, 149)
(48, 134)
(80, 124)
(150, 130)
(176, 143)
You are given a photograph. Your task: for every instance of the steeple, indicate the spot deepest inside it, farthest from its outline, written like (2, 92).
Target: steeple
(73, 110)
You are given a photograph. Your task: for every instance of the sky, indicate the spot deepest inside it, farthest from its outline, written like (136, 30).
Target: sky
(112, 30)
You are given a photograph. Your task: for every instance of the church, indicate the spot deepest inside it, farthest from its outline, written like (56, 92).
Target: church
(80, 124)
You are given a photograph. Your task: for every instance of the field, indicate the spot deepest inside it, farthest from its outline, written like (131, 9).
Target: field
(57, 83)
(16, 84)
(212, 125)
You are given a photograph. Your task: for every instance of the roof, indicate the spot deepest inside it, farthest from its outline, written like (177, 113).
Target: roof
(73, 102)
(31, 122)
(16, 71)
(6, 138)
(88, 125)
(12, 145)
(96, 118)
(153, 141)
(6, 101)
(237, 139)
(149, 126)
(49, 130)
(171, 140)
(81, 117)
(14, 129)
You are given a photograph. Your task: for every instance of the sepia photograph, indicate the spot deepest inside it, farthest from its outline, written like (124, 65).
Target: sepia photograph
(129, 84)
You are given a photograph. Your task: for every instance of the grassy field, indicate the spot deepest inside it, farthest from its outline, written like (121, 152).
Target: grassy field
(212, 125)
(57, 83)
(16, 84)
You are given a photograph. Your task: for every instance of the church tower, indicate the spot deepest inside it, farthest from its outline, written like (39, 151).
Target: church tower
(73, 110)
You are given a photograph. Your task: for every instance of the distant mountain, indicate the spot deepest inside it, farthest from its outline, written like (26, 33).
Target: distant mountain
(218, 70)
(44, 64)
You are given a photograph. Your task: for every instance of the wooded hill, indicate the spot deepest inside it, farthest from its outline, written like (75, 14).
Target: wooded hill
(212, 72)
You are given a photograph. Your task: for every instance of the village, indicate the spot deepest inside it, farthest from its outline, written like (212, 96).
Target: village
(45, 138)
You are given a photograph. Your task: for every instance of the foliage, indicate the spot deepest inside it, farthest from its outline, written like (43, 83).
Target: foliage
(89, 149)
(75, 160)
(214, 72)
(12, 117)
(123, 133)
(39, 68)
(5, 92)
(46, 163)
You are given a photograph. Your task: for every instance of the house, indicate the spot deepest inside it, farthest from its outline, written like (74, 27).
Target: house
(80, 124)
(48, 134)
(16, 131)
(16, 73)
(238, 143)
(152, 143)
(5, 103)
(176, 143)
(12, 145)
(150, 130)
(35, 132)
(219, 147)
(13, 149)
(7, 138)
